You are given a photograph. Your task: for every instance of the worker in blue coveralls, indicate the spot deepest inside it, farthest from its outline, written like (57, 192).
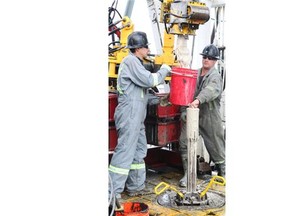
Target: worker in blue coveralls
(127, 166)
(207, 98)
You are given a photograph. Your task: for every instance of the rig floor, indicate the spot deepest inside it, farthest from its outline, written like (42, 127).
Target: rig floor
(171, 177)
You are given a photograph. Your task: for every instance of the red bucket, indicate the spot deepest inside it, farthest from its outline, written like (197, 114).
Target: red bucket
(182, 85)
(134, 209)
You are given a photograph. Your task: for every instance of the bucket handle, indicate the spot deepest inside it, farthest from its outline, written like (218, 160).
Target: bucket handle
(188, 75)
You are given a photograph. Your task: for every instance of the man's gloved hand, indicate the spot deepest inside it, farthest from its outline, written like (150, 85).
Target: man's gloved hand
(152, 99)
(183, 116)
(164, 100)
(166, 67)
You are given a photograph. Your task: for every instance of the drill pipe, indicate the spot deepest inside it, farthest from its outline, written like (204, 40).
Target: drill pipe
(192, 136)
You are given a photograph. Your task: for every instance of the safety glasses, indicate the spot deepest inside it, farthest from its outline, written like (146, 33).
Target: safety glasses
(210, 58)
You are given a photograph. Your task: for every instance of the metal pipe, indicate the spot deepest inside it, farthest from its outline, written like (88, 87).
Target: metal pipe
(192, 51)
(155, 26)
(129, 8)
(193, 137)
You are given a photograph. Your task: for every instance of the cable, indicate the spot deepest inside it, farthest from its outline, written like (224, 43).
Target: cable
(112, 28)
(111, 196)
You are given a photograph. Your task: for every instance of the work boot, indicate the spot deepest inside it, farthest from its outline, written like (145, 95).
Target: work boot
(183, 180)
(220, 169)
(119, 202)
(144, 191)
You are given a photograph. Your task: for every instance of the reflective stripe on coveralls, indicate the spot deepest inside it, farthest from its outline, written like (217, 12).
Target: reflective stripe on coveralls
(118, 170)
(138, 166)
(126, 171)
(155, 77)
(118, 87)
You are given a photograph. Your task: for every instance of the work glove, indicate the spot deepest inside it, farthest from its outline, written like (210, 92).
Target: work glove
(164, 101)
(166, 67)
(184, 116)
(152, 99)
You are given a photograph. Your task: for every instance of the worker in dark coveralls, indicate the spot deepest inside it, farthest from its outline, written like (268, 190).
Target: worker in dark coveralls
(207, 98)
(127, 165)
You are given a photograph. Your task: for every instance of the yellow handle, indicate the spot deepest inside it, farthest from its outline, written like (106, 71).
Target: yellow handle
(165, 187)
(213, 180)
